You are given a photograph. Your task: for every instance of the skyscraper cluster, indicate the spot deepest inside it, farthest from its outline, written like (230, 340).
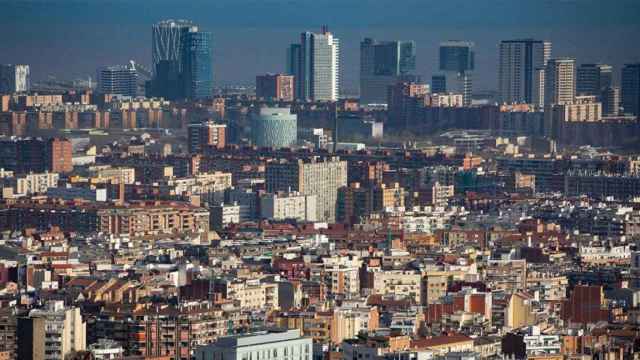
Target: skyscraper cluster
(182, 61)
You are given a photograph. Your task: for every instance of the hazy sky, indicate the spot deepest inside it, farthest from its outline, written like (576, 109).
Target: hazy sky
(71, 38)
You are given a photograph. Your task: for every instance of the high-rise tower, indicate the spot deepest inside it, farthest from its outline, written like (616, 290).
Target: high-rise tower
(315, 65)
(520, 63)
(382, 64)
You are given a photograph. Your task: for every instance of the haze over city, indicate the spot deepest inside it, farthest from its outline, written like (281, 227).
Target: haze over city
(320, 180)
(69, 38)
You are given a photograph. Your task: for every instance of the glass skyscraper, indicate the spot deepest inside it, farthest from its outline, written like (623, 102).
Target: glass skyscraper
(383, 63)
(182, 61)
(197, 72)
(456, 67)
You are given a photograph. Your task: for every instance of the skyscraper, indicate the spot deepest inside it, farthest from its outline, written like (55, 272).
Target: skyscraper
(14, 78)
(631, 89)
(121, 80)
(456, 67)
(560, 81)
(382, 64)
(182, 61)
(315, 65)
(519, 61)
(197, 72)
(166, 40)
(593, 79)
(457, 56)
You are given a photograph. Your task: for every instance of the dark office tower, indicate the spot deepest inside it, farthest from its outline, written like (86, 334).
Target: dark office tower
(631, 89)
(611, 101)
(166, 39)
(22, 155)
(197, 72)
(294, 68)
(167, 57)
(456, 56)
(439, 83)
(382, 64)
(315, 65)
(593, 79)
(456, 67)
(121, 80)
(520, 63)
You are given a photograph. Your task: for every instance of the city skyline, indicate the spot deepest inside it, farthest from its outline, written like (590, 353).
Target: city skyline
(130, 38)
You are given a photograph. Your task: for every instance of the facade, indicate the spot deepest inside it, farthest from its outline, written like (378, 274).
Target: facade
(631, 89)
(167, 37)
(560, 81)
(59, 155)
(382, 64)
(14, 78)
(51, 333)
(282, 206)
(120, 80)
(154, 218)
(206, 135)
(264, 345)
(313, 177)
(519, 61)
(274, 127)
(166, 46)
(36, 183)
(593, 79)
(196, 64)
(610, 98)
(278, 87)
(315, 65)
(456, 67)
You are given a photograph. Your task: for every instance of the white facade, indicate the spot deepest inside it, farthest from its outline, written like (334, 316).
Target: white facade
(326, 67)
(560, 81)
(288, 206)
(286, 345)
(36, 183)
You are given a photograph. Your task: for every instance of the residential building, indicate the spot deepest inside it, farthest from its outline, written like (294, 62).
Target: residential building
(269, 344)
(279, 87)
(36, 183)
(283, 206)
(518, 63)
(399, 283)
(315, 65)
(382, 64)
(59, 155)
(312, 177)
(14, 78)
(560, 81)
(51, 333)
(206, 136)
